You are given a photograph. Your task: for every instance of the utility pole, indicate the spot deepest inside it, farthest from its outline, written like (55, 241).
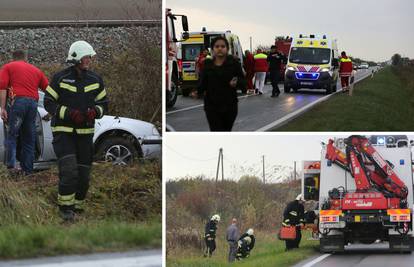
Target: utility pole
(220, 160)
(294, 170)
(251, 47)
(264, 174)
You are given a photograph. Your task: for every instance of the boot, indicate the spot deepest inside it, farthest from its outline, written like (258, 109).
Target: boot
(67, 213)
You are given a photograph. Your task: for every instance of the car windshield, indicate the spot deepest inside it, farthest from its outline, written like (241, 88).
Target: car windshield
(191, 51)
(306, 55)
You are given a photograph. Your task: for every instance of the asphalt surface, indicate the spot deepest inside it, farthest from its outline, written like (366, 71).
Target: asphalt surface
(149, 258)
(361, 256)
(256, 112)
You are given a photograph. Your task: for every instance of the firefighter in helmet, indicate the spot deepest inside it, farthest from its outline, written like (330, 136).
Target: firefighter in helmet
(75, 98)
(210, 235)
(245, 244)
(294, 215)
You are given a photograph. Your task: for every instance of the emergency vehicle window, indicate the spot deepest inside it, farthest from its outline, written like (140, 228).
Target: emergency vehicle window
(311, 187)
(190, 52)
(308, 55)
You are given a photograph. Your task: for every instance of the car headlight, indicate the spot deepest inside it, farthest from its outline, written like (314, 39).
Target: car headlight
(290, 68)
(324, 70)
(155, 131)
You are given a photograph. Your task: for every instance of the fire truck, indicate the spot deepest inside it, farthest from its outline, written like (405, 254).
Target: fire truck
(283, 46)
(364, 190)
(172, 68)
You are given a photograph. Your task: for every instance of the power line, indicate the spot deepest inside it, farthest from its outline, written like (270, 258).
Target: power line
(187, 157)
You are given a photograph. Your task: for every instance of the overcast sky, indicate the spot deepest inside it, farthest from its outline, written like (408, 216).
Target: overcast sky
(369, 29)
(196, 154)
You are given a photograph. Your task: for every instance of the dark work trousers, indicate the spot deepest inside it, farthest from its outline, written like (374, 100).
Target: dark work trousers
(211, 246)
(232, 250)
(75, 154)
(275, 78)
(295, 242)
(221, 121)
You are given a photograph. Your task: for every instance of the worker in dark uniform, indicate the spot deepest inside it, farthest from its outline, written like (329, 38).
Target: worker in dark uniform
(294, 215)
(275, 60)
(245, 244)
(210, 235)
(75, 97)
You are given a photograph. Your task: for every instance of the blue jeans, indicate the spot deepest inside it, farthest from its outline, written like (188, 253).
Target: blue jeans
(22, 127)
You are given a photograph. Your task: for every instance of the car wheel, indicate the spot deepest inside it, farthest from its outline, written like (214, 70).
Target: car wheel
(118, 150)
(286, 89)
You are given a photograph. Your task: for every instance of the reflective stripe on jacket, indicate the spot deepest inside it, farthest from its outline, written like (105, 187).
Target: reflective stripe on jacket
(70, 90)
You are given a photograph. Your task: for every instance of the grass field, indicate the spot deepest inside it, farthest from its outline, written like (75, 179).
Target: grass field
(268, 251)
(383, 103)
(122, 212)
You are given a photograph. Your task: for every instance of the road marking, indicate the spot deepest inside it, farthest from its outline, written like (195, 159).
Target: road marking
(318, 259)
(302, 109)
(142, 261)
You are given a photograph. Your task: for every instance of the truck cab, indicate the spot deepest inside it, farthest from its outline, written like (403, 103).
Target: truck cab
(312, 64)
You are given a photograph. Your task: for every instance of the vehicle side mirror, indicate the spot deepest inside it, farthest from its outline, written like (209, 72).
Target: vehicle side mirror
(185, 35)
(335, 62)
(184, 22)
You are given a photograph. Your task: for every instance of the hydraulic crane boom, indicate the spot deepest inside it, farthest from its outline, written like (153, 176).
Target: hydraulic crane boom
(360, 152)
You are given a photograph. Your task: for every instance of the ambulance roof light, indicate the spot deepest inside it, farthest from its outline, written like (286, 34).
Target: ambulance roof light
(204, 29)
(324, 36)
(300, 35)
(312, 36)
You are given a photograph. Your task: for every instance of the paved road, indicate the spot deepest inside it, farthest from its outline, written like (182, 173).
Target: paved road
(361, 256)
(256, 112)
(149, 258)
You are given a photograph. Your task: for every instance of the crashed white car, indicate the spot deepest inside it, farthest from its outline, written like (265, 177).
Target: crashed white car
(117, 139)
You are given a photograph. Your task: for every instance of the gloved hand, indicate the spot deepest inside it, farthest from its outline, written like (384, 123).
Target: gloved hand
(76, 116)
(90, 114)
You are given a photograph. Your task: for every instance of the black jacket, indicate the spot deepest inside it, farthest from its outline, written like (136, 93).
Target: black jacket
(69, 90)
(210, 229)
(293, 213)
(251, 245)
(215, 82)
(275, 60)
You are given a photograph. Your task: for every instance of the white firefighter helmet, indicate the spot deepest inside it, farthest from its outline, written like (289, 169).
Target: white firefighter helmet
(215, 217)
(250, 231)
(248, 240)
(300, 197)
(78, 50)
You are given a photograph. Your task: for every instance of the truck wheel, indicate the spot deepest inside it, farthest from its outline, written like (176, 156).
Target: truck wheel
(329, 90)
(118, 150)
(172, 95)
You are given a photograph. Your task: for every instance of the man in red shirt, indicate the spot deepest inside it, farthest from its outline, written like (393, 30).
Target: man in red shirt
(345, 70)
(23, 80)
(249, 67)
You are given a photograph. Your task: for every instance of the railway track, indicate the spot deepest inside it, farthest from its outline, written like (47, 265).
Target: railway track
(77, 23)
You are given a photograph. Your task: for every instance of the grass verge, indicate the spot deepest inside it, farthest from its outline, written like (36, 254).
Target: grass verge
(122, 212)
(268, 251)
(382, 103)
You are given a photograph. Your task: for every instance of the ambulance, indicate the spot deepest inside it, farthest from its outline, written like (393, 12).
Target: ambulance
(191, 48)
(313, 63)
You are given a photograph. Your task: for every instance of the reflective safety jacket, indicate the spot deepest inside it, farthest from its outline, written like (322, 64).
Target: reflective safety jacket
(260, 63)
(71, 90)
(345, 67)
(294, 214)
(210, 230)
